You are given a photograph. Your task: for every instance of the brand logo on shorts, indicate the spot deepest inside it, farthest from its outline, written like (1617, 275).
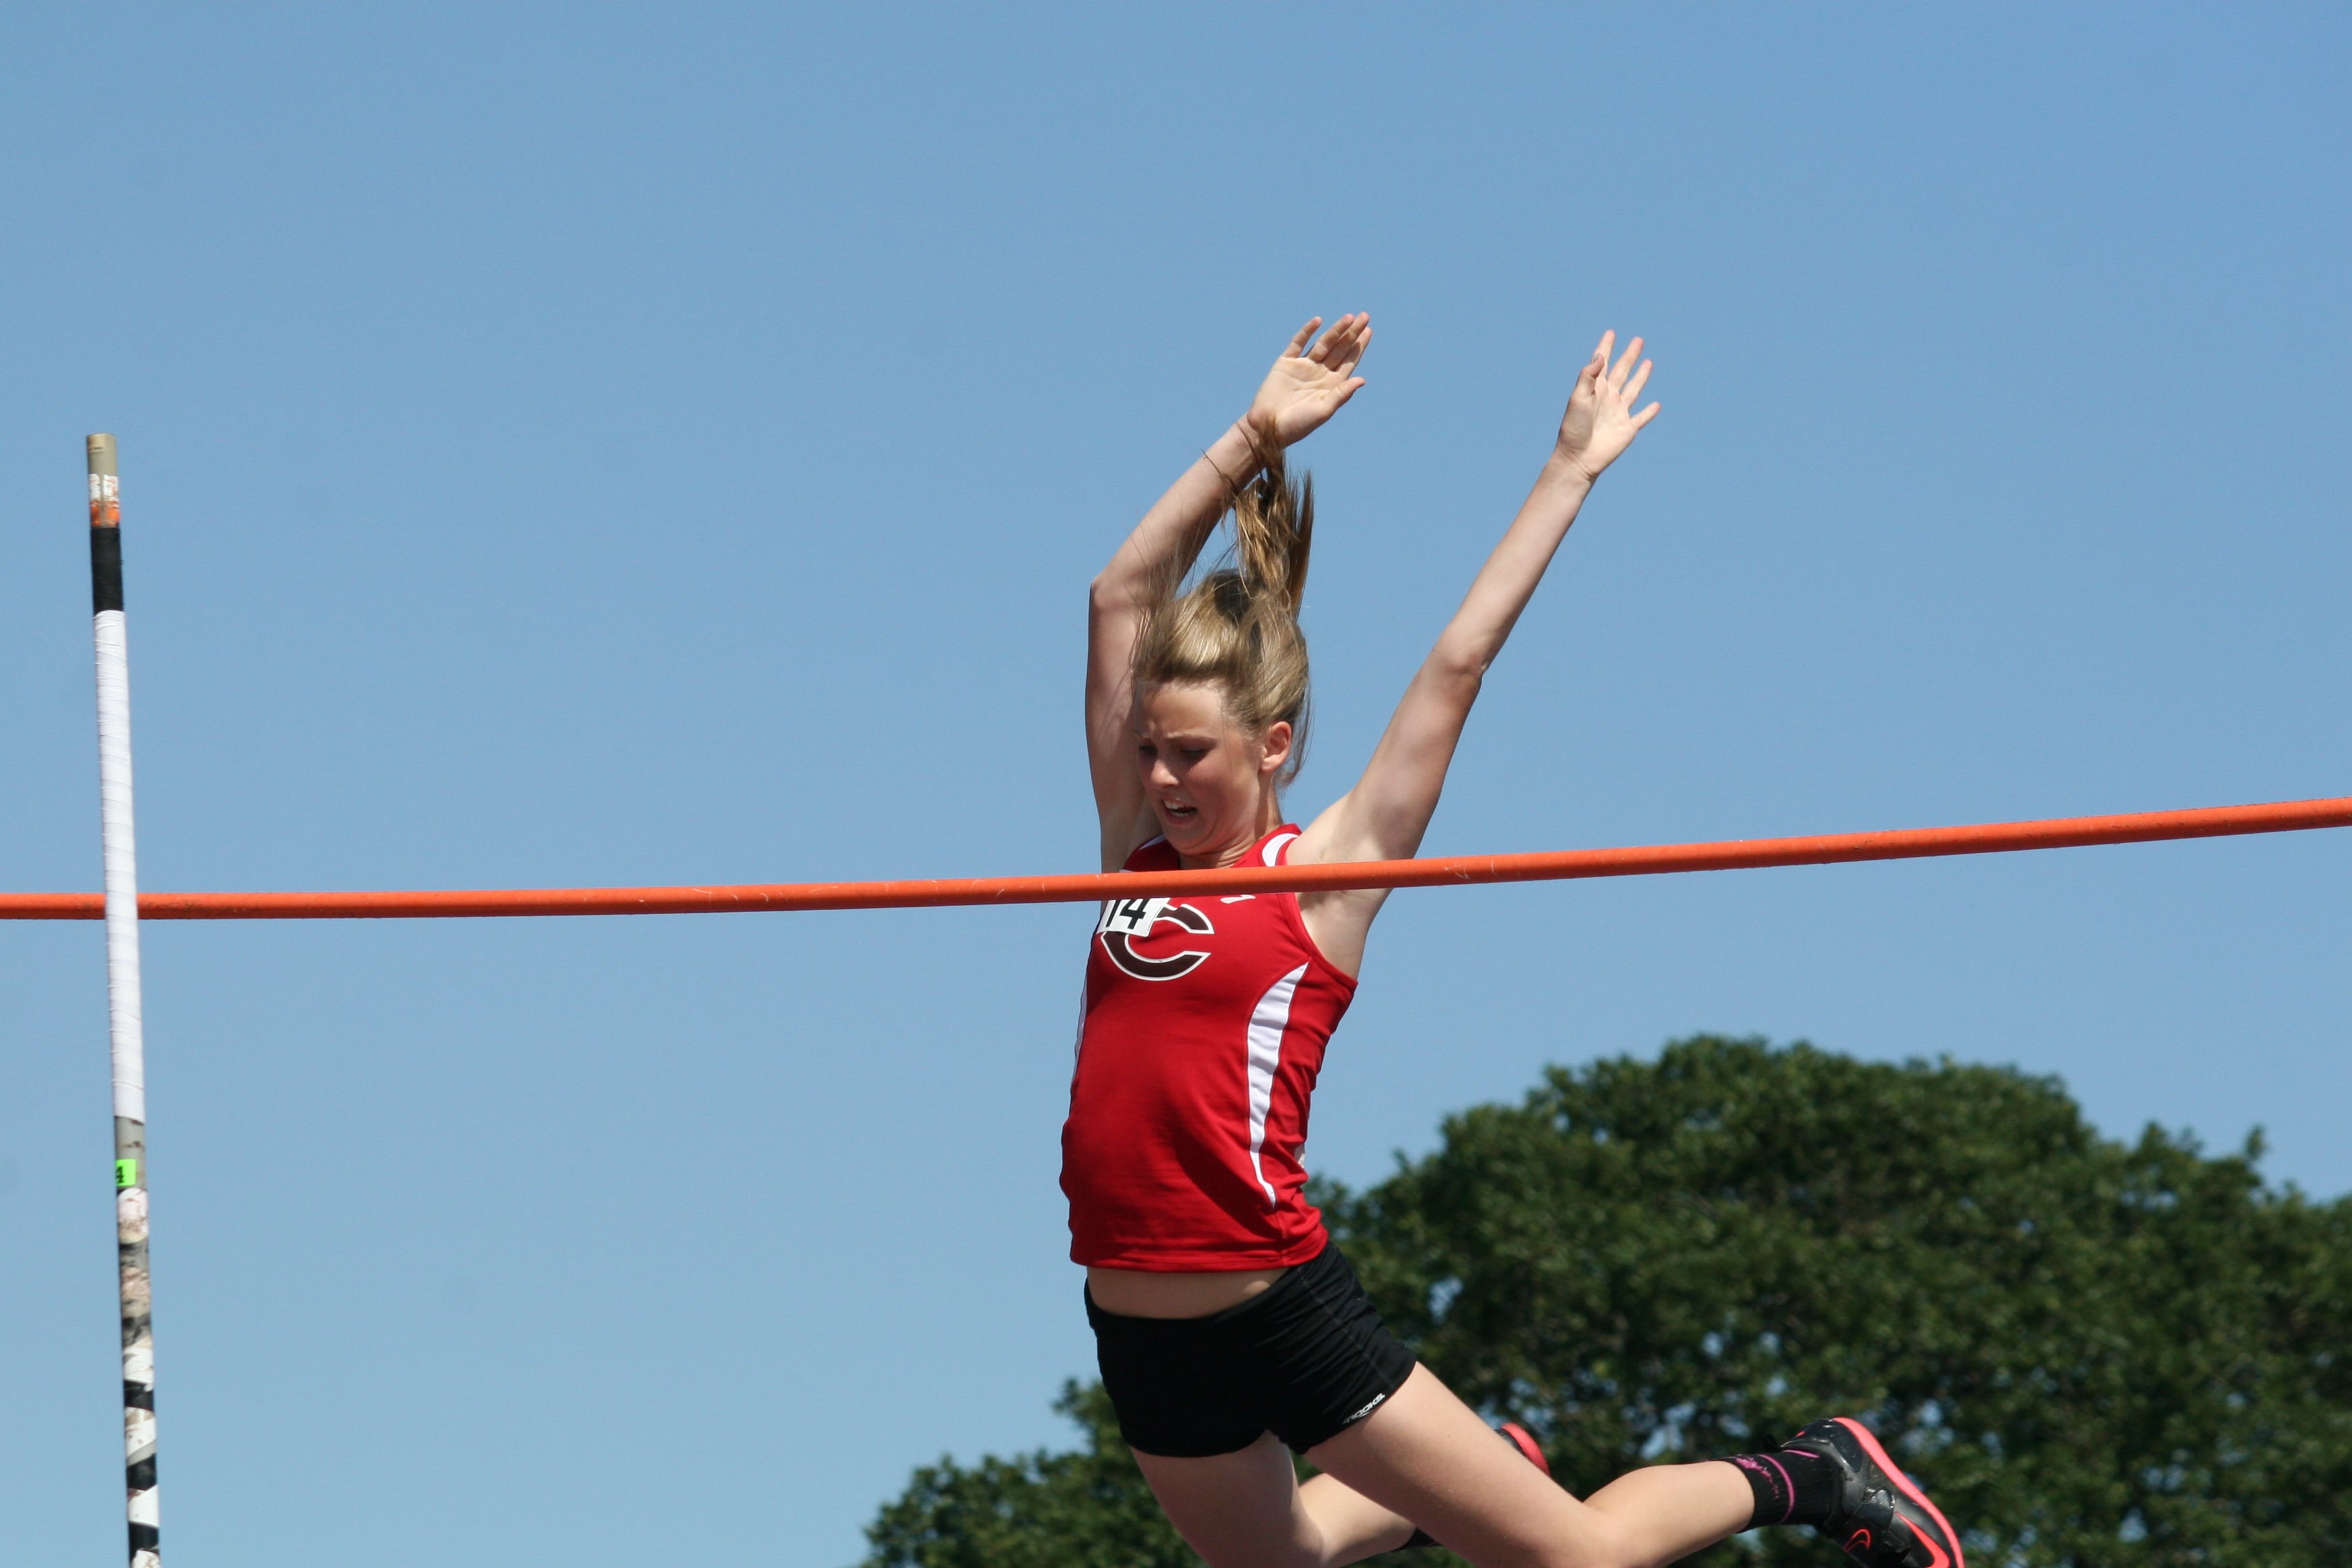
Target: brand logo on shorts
(1125, 921)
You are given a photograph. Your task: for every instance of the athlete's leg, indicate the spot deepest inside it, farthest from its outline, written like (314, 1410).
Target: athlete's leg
(1248, 1511)
(1353, 1526)
(1427, 1457)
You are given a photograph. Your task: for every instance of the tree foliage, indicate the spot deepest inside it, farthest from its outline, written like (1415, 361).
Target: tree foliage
(2096, 1353)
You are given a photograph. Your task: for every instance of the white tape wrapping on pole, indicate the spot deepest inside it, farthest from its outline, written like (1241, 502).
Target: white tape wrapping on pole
(126, 1033)
(126, 1041)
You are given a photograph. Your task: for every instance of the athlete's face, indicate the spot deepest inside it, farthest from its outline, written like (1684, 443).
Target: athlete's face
(1209, 781)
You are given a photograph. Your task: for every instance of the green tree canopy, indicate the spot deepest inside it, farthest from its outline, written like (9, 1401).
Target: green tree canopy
(2096, 1353)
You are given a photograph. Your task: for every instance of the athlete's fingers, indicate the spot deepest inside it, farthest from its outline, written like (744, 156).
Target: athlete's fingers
(1298, 343)
(1332, 341)
(1359, 341)
(1646, 415)
(1633, 353)
(1634, 387)
(1343, 339)
(1590, 376)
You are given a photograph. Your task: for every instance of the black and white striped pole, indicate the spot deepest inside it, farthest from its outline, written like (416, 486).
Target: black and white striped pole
(125, 1036)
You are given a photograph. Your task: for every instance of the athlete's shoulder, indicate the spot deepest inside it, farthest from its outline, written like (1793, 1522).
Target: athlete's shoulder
(1274, 849)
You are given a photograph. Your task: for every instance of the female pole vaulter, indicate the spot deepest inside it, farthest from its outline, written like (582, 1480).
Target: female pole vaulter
(1230, 1330)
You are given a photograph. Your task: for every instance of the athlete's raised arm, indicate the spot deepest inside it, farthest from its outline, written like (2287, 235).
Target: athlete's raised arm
(1309, 383)
(1384, 817)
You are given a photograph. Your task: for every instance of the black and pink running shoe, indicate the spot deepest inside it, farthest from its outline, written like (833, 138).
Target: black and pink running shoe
(1883, 1519)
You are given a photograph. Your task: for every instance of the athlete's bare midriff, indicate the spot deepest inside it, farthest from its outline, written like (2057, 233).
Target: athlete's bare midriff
(1136, 1293)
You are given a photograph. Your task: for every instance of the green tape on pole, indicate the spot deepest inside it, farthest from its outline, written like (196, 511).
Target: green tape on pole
(126, 1172)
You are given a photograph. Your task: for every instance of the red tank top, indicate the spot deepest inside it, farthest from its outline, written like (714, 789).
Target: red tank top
(1205, 1024)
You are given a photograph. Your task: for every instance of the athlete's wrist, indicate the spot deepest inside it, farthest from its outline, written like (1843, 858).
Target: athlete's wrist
(1238, 453)
(1564, 471)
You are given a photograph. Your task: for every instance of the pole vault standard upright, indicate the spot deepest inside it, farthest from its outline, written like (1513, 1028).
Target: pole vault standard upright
(126, 1037)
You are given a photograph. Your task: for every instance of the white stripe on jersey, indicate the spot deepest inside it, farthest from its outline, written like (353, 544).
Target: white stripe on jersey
(1267, 1022)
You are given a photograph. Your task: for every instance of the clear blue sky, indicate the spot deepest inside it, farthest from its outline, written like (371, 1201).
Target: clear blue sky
(569, 444)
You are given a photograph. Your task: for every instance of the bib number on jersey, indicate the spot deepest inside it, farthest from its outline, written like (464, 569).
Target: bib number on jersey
(1128, 920)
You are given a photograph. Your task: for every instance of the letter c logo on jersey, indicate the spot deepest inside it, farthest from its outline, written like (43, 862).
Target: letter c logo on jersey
(1127, 921)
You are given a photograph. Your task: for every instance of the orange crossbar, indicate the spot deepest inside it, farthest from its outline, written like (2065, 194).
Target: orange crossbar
(1829, 848)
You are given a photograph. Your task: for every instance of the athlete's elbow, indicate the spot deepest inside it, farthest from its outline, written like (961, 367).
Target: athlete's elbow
(1462, 652)
(1113, 593)
(1459, 670)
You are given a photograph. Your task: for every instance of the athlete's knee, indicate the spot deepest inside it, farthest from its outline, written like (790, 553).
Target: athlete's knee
(1261, 1553)
(1250, 1539)
(1608, 1547)
(1612, 1554)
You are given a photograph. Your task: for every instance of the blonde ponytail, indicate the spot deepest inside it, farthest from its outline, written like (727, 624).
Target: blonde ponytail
(1238, 627)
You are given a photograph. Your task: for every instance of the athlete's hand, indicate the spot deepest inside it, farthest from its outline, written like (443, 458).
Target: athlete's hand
(1307, 385)
(1601, 423)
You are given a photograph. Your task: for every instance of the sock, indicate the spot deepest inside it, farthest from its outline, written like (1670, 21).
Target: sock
(1791, 1487)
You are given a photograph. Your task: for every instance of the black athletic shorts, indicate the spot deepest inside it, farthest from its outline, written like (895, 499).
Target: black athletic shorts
(1304, 1359)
